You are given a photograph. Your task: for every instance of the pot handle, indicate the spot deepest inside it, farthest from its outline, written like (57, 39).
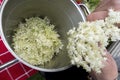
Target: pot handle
(12, 61)
(84, 8)
(8, 64)
(0, 9)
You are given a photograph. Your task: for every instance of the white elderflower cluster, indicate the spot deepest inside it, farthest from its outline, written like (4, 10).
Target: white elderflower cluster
(87, 43)
(110, 28)
(36, 41)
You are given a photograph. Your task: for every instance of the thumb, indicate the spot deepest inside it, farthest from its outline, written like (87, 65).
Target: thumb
(97, 16)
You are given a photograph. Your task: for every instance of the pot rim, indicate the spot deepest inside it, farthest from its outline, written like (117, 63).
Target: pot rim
(16, 56)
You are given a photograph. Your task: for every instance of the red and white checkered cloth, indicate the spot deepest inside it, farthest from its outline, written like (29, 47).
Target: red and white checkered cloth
(17, 71)
(0, 1)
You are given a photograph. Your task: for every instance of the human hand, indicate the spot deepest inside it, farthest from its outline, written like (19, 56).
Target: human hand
(102, 9)
(108, 72)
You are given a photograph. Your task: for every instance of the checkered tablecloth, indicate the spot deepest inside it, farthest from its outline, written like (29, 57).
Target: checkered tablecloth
(17, 71)
(0, 1)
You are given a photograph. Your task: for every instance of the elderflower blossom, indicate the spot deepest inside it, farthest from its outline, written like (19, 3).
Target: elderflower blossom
(87, 43)
(113, 18)
(36, 41)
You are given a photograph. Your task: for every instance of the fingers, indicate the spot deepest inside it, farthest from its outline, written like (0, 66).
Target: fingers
(97, 15)
(104, 5)
(102, 9)
(115, 2)
(109, 58)
(100, 15)
(110, 62)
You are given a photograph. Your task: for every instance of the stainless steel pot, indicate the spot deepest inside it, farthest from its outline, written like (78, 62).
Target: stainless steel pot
(65, 14)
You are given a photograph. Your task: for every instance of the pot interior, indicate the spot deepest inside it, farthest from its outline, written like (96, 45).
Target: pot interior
(62, 13)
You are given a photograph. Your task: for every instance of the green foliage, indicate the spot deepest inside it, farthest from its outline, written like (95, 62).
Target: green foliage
(91, 4)
(36, 76)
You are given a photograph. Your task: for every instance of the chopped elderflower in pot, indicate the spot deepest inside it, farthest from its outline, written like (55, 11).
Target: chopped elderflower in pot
(36, 41)
(87, 43)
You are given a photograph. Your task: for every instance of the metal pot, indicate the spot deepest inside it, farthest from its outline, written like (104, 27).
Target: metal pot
(65, 14)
